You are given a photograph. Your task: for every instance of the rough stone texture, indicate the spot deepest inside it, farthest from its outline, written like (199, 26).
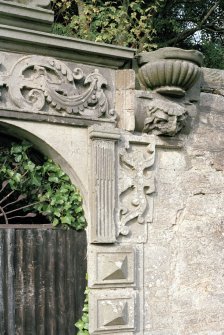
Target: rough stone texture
(183, 267)
(125, 99)
(213, 81)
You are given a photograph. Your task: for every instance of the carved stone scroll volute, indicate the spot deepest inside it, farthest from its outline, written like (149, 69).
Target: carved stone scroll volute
(103, 196)
(136, 184)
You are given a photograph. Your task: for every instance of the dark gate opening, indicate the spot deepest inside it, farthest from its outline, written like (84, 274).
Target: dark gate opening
(42, 276)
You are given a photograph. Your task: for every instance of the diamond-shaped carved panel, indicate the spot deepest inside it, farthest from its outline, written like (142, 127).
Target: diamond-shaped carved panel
(114, 311)
(114, 266)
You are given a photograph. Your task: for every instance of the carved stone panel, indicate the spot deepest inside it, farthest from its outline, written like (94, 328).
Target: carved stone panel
(112, 266)
(103, 197)
(47, 86)
(136, 186)
(115, 311)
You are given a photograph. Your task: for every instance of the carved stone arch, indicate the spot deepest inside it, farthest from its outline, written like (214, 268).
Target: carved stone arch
(17, 130)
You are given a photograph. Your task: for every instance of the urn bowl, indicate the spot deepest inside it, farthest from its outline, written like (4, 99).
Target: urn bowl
(170, 71)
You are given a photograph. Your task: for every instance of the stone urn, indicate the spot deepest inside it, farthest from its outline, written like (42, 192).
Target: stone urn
(170, 71)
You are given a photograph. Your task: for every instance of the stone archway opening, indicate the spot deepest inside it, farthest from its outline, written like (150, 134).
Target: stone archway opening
(42, 270)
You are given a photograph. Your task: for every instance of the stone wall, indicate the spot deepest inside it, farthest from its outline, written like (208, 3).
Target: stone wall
(183, 257)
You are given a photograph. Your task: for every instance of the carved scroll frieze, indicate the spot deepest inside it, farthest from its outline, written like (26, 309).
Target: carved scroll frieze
(164, 117)
(43, 84)
(136, 184)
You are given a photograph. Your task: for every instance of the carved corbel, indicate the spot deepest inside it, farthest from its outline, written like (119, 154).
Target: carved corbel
(164, 117)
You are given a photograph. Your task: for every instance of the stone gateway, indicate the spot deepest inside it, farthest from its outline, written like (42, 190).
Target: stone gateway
(146, 151)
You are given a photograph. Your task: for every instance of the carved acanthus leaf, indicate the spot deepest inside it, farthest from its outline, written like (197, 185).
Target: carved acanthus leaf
(36, 82)
(136, 183)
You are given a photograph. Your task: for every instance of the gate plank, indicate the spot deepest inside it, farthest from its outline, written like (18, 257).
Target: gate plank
(9, 288)
(42, 247)
(50, 282)
(61, 252)
(19, 282)
(42, 281)
(2, 271)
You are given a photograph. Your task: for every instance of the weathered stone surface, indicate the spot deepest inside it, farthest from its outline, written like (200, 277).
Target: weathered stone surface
(170, 71)
(28, 14)
(164, 117)
(136, 186)
(115, 311)
(47, 86)
(213, 81)
(112, 266)
(125, 99)
(184, 256)
(16, 39)
(103, 183)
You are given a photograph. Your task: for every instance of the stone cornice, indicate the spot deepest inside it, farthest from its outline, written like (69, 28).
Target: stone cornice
(82, 51)
(28, 17)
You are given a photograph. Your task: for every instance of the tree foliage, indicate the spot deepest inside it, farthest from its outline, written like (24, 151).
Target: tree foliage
(146, 25)
(125, 23)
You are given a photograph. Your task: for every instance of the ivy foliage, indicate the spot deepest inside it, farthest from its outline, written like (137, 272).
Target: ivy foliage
(83, 323)
(47, 190)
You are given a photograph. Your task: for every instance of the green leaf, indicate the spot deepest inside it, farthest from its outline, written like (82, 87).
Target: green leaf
(53, 179)
(55, 222)
(79, 324)
(78, 209)
(66, 220)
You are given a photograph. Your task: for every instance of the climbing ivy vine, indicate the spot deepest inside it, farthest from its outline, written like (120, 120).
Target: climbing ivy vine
(83, 323)
(33, 187)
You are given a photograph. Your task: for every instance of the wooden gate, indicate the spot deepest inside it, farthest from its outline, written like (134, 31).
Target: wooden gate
(42, 280)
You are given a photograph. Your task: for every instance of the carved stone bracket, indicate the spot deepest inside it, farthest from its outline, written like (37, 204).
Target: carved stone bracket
(136, 183)
(48, 86)
(164, 117)
(103, 196)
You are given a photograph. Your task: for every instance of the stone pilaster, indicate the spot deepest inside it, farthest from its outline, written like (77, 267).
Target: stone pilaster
(103, 194)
